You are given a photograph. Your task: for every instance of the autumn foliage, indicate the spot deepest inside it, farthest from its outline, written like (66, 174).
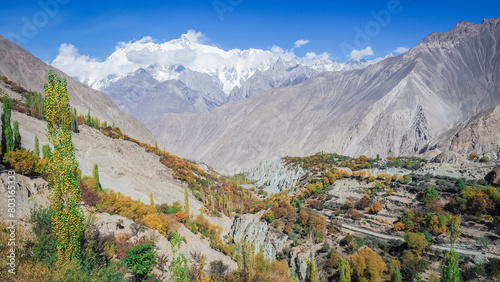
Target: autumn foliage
(376, 207)
(113, 202)
(367, 265)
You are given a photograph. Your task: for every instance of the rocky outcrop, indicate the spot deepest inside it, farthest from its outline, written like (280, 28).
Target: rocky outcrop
(274, 176)
(298, 262)
(478, 134)
(298, 256)
(195, 243)
(248, 227)
(449, 157)
(30, 193)
(493, 177)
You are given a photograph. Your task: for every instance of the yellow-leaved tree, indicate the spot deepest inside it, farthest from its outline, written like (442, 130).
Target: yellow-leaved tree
(62, 172)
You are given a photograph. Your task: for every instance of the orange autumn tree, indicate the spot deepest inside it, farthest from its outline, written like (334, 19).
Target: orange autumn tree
(367, 265)
(376, 207)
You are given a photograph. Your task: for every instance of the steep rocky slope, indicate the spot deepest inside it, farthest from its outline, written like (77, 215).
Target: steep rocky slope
(123, 166)
(394, 107)
(479, 134)
(22, 67)
(33, 192)
(274, 175)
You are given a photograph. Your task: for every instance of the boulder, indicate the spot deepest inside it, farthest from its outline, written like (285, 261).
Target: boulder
(493, 177)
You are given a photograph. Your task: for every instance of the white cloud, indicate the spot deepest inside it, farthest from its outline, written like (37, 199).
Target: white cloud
(360, 54)
(401, 50)
(300, 43)
(232, 67)
(311, 56)
(196, 37)
(188, 51)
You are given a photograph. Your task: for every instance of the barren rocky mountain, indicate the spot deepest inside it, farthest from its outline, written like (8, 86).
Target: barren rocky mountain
(21, 67)
(480, 133)
(395, 107)
(143, 96)
(123, 166)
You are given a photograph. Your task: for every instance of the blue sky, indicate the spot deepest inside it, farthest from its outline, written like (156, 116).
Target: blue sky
(95, 27)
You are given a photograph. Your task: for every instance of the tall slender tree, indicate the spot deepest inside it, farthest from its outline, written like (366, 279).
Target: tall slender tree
(312, 271)
(178, 265)
(7, 138)
(17, 136)
(63, 180)
(186, 201)
(450, 272)
(74, 121)
(454, 229)
(344, 270)
(47, 152)
(37, 146)
(95, 175)
(151, 199)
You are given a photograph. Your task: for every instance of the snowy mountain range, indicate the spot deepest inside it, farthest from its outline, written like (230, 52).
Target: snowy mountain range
(443, 94)
(185, 75)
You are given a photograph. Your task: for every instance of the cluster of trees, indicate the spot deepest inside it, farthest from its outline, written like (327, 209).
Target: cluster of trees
(477, 157)
(116, 203)
(219, 194)
(476, 201)
(37, 257)
(34, 105)
(322, 161)
(412, 163)
(11, 139)
(254, 266)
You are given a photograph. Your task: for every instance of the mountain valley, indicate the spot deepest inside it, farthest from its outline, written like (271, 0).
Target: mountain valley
(274, 170)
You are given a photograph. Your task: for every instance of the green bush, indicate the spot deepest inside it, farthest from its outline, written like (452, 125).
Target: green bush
(325, 247)
(428, 236)
(269, 216)
(114, 272)
(460, 185)
(140, 260)
(430, 193)
(45, 246)
(484, 159)
(174, 208)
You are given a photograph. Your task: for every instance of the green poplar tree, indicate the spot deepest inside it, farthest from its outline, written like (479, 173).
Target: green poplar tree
(95, 175)
(178, 265)
(37, 146)
(454, 230)
(63, 180)
(47, 152)
(74, 122)
(450, 272)
(396, 275)
(344, 270)
(312, 271)
(7, 138)
(88, 120)
(17, 136)
(186, 201)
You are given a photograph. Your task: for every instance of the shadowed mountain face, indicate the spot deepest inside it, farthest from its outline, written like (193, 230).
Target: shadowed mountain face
(395, 107)
(22, 67)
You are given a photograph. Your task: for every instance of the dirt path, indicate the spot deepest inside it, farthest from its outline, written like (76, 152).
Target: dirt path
(438, 247)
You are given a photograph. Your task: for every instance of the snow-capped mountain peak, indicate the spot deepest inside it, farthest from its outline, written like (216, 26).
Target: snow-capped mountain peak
(231, 68)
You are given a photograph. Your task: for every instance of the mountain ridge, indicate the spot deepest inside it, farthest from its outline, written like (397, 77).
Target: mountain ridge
(443, 81)
(22, 67)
